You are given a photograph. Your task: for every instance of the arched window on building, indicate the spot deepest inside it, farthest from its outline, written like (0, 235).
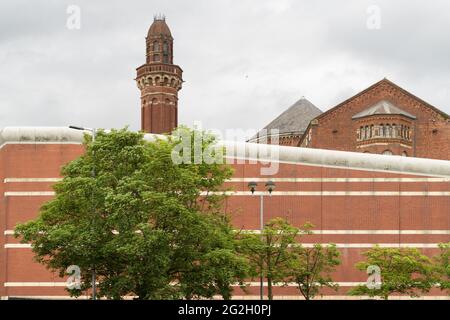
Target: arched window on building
(404, 154)
(389, 133)
(383, 130)
(387, 152)
(371, 131)
(155, 46)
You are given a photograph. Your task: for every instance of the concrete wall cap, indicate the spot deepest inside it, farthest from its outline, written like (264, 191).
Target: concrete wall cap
(263, 152)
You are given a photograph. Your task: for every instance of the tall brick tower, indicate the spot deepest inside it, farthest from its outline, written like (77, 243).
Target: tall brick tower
(159, 81)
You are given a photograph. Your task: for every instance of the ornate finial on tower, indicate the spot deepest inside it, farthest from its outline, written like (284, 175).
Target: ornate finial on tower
(159, 80)
(159, 16)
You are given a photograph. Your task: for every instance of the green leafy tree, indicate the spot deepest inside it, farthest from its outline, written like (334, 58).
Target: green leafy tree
(312, 267)
(403, 271)
(148, 226)
(442, 267)
(270, 252)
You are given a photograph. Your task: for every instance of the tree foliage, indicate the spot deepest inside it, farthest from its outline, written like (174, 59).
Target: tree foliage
(403, 271)
(270, 253)
(149, 227)
(312, 268)
(442, 266)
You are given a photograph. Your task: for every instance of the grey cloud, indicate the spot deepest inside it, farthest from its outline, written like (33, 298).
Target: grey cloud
(244, 61)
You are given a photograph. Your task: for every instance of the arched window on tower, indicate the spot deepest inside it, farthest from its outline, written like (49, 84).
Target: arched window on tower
(165, 52)
(155, 46)
(404, 154)
(387, 153)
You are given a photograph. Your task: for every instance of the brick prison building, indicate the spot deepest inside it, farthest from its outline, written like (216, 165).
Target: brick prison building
(333, 171)
(382, 119)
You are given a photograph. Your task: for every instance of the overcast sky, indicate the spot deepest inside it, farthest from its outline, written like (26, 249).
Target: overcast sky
(244, 61)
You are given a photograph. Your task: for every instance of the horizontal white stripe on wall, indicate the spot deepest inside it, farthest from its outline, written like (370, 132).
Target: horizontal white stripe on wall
(340, 179)
(306, 245)
(40, 142)
(371, 232)
(17, 245)
(16, 180)
(293, 284)
(278, 193)
(337, 193)
(35, 284)
(28, 193)
(11, 180)
(338, 297)
(252, 284)
(344, 232)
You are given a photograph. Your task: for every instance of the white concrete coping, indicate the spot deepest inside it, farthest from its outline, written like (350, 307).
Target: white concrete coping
(261, 152)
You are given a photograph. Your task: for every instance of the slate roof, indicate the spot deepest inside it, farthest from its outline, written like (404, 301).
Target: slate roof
(295, 119)
(382, 107)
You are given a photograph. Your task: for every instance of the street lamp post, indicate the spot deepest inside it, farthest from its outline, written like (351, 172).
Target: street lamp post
(94, 276)
(270, 186)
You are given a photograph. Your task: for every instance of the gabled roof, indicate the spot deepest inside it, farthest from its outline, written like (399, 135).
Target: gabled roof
(442, 113)
(294, 120)
(383, 107)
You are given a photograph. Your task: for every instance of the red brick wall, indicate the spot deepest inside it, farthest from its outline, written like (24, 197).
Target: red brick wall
(346, 211)
(27, 161)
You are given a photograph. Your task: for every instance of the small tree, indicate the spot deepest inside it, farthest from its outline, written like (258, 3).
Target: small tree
(312, 267)
(442, 266)
(404, 271)
(270, 253)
